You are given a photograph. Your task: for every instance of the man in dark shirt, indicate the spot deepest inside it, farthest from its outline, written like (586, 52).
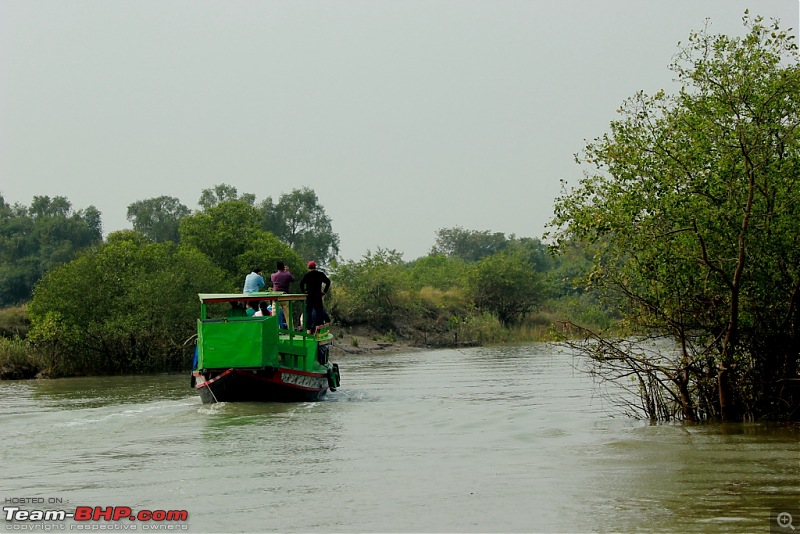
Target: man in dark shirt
(281, 278)
(315, 284)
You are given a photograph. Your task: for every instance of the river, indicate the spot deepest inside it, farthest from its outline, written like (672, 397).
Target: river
(497, 439)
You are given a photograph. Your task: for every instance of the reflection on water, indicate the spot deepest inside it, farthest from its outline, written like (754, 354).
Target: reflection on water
(505, 439)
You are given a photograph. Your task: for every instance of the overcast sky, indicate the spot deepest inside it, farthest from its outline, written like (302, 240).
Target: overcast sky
(404, 116)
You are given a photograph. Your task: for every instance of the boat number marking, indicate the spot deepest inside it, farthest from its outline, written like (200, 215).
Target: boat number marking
(304, 380)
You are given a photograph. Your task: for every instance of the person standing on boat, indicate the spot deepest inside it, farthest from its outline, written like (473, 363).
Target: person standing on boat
(315, 284)
(281, 280)
(254, 281)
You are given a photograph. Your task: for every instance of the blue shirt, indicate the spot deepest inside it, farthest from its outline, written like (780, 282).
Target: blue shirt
(253, 282)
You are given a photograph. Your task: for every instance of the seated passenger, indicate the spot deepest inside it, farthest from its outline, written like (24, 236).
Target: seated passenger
(281, 318)
(263, 310)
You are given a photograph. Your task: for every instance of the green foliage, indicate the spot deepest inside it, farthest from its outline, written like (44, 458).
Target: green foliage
(266, 250)
(13, 353)
(368, 291)
(533, 251)
(220, 193)
(468, 245)
(35, 239)
(571, 268)
(483, 327)
(101, 312)
(693, 210)
(158, 218)
(126, 306)
(299, 220)
(230, 235)
(436, 317)
(438, 299)
(438, 271)
(586, 309)
(223, 233)
(507, 285)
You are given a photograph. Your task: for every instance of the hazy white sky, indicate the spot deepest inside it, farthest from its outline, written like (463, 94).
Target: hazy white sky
(404, 116)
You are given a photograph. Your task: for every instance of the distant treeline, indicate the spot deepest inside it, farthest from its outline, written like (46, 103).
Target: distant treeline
(49, 232)
(128, 304)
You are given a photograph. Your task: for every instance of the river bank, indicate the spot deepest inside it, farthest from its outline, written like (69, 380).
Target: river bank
(364, 340)
(21, 360)
(18, 360)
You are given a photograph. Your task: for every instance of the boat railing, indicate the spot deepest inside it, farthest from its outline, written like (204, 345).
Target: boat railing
(275, 298)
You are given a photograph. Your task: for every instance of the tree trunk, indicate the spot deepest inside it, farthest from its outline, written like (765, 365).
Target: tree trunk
(686, 399)
(724, 393)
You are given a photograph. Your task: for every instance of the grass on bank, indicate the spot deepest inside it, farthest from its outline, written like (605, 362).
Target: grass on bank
(19, 359)
(14, 321)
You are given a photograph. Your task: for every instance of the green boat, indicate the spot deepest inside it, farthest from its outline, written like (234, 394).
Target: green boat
(241, 358)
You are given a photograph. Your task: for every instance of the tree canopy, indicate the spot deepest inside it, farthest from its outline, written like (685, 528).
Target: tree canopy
(158, 218)
(128, 305)
(300, 221)
(508, 285)
(34, 239)
(221, 193)
(468, 245)
(230, 235)
(692, 204)
(297, 218)
(222, 232)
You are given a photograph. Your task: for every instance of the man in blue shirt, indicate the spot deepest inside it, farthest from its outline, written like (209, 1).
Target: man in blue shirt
(254, 281)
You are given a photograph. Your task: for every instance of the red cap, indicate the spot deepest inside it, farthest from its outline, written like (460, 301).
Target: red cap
(312, 265)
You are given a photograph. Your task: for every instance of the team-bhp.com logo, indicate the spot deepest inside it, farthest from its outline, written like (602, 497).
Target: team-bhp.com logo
(88, 516)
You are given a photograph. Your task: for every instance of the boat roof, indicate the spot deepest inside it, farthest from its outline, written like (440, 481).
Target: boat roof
(247, 297)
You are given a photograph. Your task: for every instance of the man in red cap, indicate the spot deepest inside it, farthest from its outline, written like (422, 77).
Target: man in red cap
(315, 284)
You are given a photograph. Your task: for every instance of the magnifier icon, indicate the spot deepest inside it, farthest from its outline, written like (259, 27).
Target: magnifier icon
(785, 520)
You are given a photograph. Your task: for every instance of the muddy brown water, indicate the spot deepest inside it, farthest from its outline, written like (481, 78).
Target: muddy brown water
(509, 439)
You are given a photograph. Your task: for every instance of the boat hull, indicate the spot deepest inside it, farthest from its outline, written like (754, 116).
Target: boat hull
(260, 385)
